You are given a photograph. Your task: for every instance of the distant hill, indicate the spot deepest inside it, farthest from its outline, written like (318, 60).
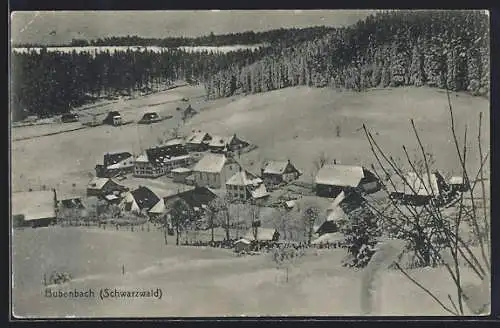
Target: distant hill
(394, 48)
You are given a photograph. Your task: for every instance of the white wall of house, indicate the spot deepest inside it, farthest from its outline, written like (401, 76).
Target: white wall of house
(147, 170)
(212, 180)
(237, 192)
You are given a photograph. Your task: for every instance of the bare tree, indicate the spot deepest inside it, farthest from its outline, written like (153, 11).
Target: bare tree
(443, 225)
(219, 214)
(310, 215)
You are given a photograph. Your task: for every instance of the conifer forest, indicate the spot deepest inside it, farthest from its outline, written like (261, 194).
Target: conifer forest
(443, 49)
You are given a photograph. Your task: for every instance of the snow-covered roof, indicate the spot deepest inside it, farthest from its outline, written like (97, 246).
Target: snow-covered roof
(181, 170)
(259, 192)
(212, 163)
(173, 142)
(98, 183)
(219, 141)
(158, 208)
(336, 214)
(142, 158)
(332, 237)
(242, 241)
(34, 204)
(244, 178)
(111, 197)
(337, 201)
(196, 137)
(414, 184)
(275, 167)
(340, 175)
(456, 180)
(175, 158)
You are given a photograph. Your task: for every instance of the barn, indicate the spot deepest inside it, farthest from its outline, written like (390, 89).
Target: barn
(198, 141)
(332, 179)
(34, 208)
(416, 189)
(278, 172)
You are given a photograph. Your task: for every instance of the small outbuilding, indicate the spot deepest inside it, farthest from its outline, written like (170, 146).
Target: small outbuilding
(242, 245)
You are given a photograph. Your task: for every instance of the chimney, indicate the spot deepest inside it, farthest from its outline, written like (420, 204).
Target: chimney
(261, 171)
(334, 161)
(289, 161)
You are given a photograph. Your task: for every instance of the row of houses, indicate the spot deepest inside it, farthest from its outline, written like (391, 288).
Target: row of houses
(200, 141)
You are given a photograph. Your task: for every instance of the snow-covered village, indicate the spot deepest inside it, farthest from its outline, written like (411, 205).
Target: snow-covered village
(305, 169)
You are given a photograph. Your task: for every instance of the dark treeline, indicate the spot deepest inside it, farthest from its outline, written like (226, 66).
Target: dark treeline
(279, 37)
(46, 83)
(389, 49)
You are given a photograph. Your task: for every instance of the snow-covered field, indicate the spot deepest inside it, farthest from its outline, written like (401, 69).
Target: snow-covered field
(295, 123)
(200, 282)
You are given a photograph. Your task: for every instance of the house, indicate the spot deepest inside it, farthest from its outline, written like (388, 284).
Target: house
(224, 144)
(277, 172)
(416, 189)
(212, 170)
(143, 200)
(339, 209)
(158, 161)
(198, 141)
(457, 184)
(262, 234)
(242, 245)
(100, 187)
(113, 118)
(332, 179)
(150, 117)
(244, 186)
(34, 208)
(115, 164)
(180, 174)
(197, 199)
(68, 200)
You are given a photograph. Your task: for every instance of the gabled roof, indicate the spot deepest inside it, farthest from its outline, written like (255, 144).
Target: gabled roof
(142, 158)
(158, 208)
(196, 137)
(340, 175)
(263, 234)
(145, 198)
(196, 197)
(34, 205)
(219, 141)
(415, 185)
(158, 155)
(259, 192)
(211, 163)
(114, 158)
(98, 183)
(174, 142)
(244, 178)
(275, 167)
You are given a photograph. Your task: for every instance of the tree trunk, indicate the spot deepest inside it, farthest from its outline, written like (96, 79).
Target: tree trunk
(227, 225)
(177, 234)
(212, 230)
(165, 234)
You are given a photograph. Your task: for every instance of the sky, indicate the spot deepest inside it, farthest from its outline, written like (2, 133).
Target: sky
(55, 27)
